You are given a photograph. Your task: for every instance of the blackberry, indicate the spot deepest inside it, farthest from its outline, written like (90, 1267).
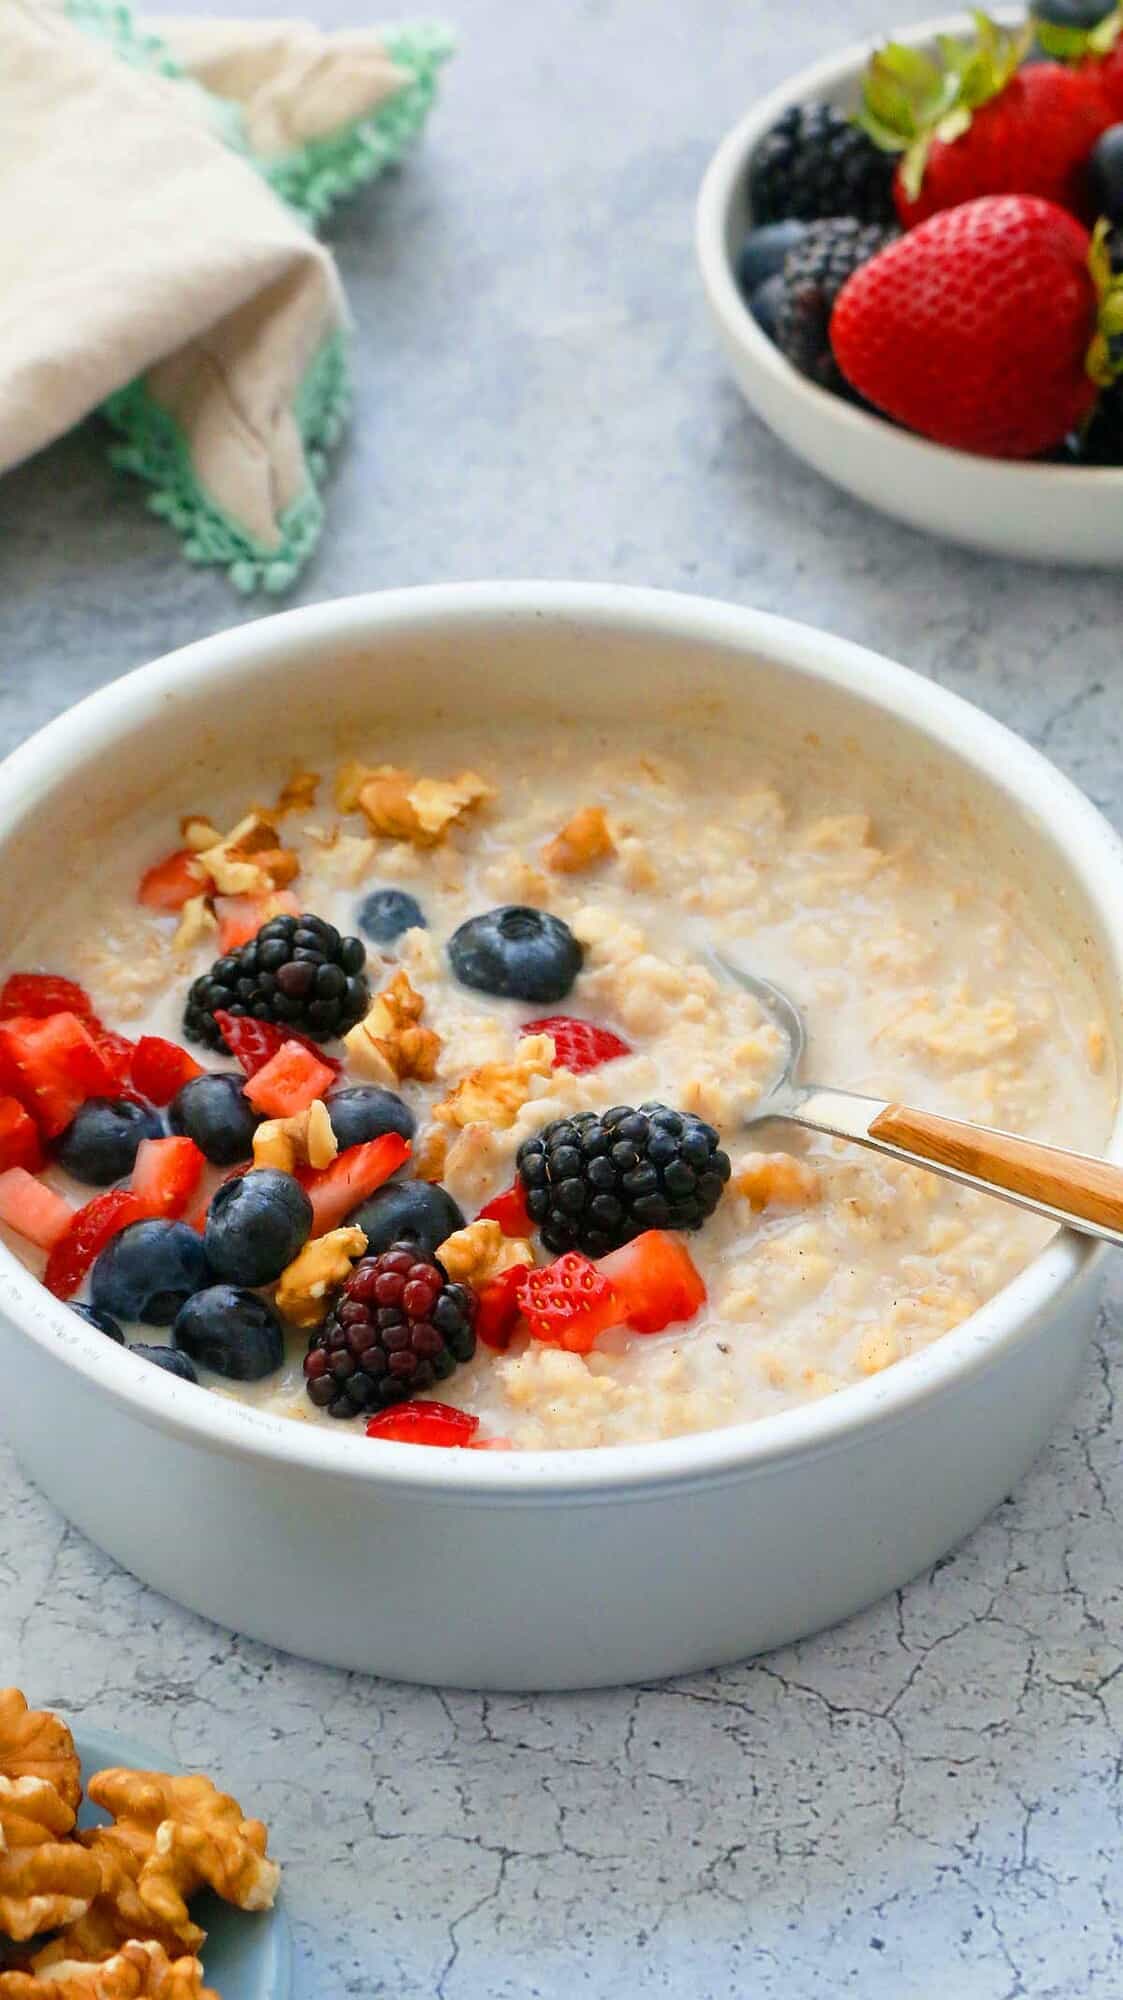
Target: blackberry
(1101, 443)
(597, 1179)
(814, 274)
(297, 972)
(815, 162)
(396, 1328)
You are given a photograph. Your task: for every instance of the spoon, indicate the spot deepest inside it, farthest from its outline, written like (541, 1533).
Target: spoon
(1075, 1190)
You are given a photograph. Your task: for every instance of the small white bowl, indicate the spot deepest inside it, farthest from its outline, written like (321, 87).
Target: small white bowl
(1049, 513)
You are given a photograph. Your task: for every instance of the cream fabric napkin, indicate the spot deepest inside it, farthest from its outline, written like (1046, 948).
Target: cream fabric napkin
(157, 195)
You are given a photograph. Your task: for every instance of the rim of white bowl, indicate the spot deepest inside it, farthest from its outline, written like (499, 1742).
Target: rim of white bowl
(721, 185)
(1003, 763)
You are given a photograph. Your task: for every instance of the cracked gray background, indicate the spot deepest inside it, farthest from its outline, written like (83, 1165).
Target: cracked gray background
(925, 1803)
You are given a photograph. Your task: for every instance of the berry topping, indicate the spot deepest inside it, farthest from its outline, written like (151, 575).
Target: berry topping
(166, 1175)
(32, 1209)
(579, 1046)
(297, 972)
(568, 1303)
(102, 1322)
(256, 1224)
(148, 1272)
(424, 1423)
(212, 1109)
(656, 1280)
(362, 1111)
(118, 1054)
(812, 279)
(763, 251)
(816, 162)
(510, 1211)
(232, 1332)
(290, 1082)
(596, 1179)
(1105, 176)
(241, 917)
(90, 1230)
(100, 1144)
(40, 994)
(351, 1179)
(53, 1066)
(387, 913)
(255, 1043)
(417, 1212)
(160, 1069)
(19, 1137)
(517, 953)
(172, 882)
(497, 1307)
(169, 1359)
(396, 1327)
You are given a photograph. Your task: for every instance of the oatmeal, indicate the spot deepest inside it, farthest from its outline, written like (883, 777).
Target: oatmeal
(533, 1077)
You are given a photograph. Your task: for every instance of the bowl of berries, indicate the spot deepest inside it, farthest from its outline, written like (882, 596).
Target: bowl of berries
(908, 256)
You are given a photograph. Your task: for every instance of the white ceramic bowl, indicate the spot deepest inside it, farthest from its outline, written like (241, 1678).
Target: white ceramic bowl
(1051, 513)
(566, 1569)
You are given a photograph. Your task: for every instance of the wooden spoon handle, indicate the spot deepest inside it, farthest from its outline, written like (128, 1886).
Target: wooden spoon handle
(1087, 1189)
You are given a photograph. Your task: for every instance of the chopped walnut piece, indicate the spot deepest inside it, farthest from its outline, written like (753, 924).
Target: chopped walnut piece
(305, 1140)
(495, 1093)
(117, 1913)
(250, 860)
(298, 793)
(46, 1879)
(481, 1251)
(198, 834)
(196, 1838)
(197, 921)
(429, 1155)
(586, 840)
(36, 1744)
(322, 1266)
(777, 1179)
(399, 805)
(390, 1044)
(138, 1971)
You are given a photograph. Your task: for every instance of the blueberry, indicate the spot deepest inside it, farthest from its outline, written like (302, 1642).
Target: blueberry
(100, 1144)
(1105, 174)
(516, 952)
(1079, 14)
(215, 1111)
(149, 1271)
(361, 1111)
(168, 1358)
(763, 252)
(409, 1212)
(256, 1225)
(765, 305)
(235, 1333)
(386, 913)
(102, 1322)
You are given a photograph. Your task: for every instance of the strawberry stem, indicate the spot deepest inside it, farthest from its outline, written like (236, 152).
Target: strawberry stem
(909, 98)
(1104, 359)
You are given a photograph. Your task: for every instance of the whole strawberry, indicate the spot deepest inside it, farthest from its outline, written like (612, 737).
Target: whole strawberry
(976, 123)
(986, 328)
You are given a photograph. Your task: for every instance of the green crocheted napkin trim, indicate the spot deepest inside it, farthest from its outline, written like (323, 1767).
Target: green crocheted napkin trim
(312, 179)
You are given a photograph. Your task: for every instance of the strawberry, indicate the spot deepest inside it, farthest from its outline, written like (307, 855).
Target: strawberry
(172, 882)
(977, 124)
(424, 1423)
(160, 1069)
(40, 994)
(241, 917)
(89, 1232)
(579, 1046)
(166, 1174)
(19, 1138)
(497, 1307)
(987, 328)
(569, 1303)
(292, 1080)
(32, 1209)
(656, 1281)
(510, 1211)
(117, 1053)
(53, 1066)
(336, 1191)
(254, 1043)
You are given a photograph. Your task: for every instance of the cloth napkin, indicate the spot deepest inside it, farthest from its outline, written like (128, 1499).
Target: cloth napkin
(159, 197)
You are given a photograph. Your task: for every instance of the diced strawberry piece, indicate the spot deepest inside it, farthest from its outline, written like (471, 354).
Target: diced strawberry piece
(290, 1082)
(490, 1444)
(241, 917)
(497, 1307)
(116, 1052)
(336, 1190)
(424, 1423)
(510, 1211)
(19, 1138)
(172, 882)
(254, 1043)
(656, 1280)
(569, 1303)
(53, 1066)
(33, 1209)
(160, 1069)
(89, 1231)
(579, 1046)
(38, 994)
(166, 1173)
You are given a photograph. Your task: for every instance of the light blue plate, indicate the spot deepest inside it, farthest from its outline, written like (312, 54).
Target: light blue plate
(246, 1956)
